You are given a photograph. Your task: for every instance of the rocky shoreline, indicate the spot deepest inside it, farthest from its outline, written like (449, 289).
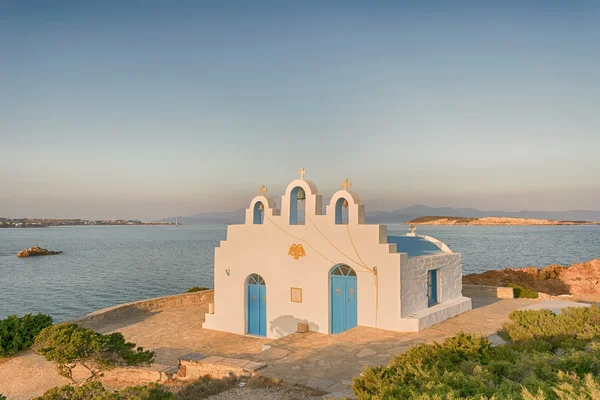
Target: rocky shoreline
(493, 221)
(555, 280)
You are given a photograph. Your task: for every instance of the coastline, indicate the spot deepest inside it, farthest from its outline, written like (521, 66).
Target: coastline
(493, 221)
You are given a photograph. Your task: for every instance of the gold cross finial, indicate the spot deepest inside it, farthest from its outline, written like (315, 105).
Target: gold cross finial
(262, 190)
(345, 184)
(302, 172)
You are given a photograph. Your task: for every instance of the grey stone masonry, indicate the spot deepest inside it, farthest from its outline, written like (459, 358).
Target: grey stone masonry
(413, 278)
(195, 365)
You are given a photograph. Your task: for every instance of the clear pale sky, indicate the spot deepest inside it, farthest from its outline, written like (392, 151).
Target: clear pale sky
(145, 109)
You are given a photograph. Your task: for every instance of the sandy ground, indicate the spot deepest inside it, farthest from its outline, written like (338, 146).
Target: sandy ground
(27, 375)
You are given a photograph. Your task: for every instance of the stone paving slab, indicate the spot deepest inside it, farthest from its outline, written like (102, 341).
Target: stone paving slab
(193, 356)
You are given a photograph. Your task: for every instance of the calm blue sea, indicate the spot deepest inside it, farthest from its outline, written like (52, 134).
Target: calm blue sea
(108, 265)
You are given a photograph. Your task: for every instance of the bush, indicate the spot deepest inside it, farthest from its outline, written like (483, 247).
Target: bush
(69, 345)
(17, 334)
(95, 391)
(197, 289)
(522, 292)
(573, 326)
(550, 357)
(2, 397)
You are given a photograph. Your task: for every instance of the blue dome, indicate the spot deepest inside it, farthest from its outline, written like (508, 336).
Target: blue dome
(414, 246)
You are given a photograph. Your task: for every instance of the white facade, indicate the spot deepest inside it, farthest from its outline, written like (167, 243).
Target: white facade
(391, 286)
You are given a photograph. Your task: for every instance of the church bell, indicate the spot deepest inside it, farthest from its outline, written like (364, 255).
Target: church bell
(345, 203)
(301, 194)
(261, 207)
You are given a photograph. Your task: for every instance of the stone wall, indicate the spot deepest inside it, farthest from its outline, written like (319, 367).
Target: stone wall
(488, 291)
(113, 314)
(414, 281)
(193, 366)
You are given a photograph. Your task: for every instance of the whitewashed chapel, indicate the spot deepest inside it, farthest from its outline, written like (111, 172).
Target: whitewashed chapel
(328, 269)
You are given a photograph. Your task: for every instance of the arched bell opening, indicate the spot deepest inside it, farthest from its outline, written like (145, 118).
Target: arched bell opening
(259, 213)
(297, 206)
(341, 211)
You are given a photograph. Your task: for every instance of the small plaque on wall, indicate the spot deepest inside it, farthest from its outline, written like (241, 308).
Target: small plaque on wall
(296, 295)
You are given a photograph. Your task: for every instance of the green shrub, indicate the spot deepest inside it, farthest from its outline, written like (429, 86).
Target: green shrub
(572, 328)
(469, 367)
(17, 334)
(522, 292)
(197, 289)
(2, 397)
(68, 344)
(95, 391)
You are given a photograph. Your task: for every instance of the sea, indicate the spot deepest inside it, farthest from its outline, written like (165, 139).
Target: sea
(102, 266)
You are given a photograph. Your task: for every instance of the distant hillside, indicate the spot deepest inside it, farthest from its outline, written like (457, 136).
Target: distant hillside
(418, 210)
(491, 221)
(409, 213)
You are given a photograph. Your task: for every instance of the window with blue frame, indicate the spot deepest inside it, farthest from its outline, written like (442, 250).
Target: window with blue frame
(432, 287)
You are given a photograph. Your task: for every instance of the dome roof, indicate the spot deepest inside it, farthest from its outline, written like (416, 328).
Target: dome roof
(415, 246)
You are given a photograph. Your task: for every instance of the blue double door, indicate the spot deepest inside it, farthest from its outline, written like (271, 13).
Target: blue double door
(257, 306)
(343, 302)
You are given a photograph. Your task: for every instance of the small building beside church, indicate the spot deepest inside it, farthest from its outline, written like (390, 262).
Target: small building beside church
(328, 269)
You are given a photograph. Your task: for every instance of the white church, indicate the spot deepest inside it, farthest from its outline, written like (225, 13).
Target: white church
(328, 269)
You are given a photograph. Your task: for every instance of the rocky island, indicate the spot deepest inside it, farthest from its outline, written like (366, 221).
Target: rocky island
(492, 221)
(36, 251)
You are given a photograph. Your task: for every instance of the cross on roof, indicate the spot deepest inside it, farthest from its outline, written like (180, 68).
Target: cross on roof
(302, 172)
(346, 184)
(262, 190)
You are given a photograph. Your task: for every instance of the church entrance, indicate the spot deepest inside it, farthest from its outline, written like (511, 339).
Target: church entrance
(257, 306)
(343, 312)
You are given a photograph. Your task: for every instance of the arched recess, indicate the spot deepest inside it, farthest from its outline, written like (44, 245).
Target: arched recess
(297, 206)
(258, 213)
(257, 305)
(342, 216)
(354, 213)
(343, 304)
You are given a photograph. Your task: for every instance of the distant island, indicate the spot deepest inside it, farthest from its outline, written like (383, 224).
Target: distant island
(399, 216)
(492, 221)
(46, 222)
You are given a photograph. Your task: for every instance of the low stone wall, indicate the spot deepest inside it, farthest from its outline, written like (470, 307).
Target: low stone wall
(115, 313)
(488, 291)
(193, 366)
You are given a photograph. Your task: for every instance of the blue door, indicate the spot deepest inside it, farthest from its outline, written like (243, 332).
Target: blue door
(257, 306)
(343, 299)
(432, 291)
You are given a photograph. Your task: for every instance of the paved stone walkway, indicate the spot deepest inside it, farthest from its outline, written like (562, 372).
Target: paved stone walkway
(329, 362)
(323, 362)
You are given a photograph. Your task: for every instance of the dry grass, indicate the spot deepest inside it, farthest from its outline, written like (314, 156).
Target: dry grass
(208, 386)
(259, 382)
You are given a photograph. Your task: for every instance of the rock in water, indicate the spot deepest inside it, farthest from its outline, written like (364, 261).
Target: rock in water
(36, 251)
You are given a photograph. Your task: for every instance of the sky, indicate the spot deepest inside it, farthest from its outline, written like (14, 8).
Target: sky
(147, 109)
